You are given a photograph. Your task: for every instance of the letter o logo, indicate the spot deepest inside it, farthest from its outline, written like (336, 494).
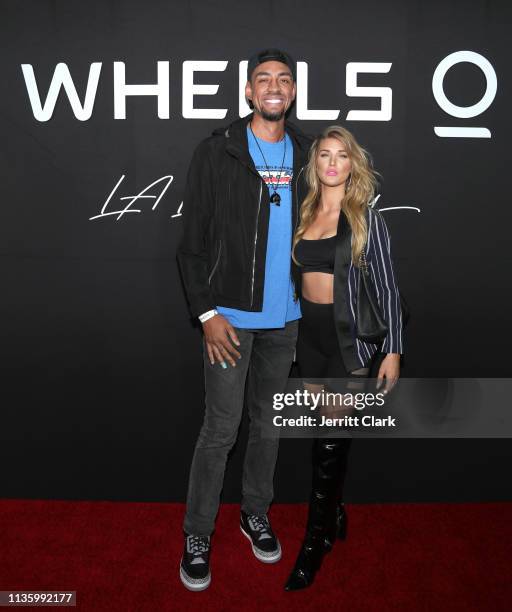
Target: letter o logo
(448, 62)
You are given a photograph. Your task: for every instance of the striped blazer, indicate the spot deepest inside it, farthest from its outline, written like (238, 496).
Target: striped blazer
(380, 265)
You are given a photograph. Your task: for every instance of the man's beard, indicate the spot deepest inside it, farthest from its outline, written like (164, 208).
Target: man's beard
(272, 116)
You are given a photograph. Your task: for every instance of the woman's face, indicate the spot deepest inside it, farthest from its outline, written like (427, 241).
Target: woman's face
(333, 164)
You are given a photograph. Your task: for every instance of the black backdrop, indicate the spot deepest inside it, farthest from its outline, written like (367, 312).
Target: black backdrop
(101, 366)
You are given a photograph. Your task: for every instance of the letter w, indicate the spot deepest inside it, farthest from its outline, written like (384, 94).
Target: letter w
(62, 78)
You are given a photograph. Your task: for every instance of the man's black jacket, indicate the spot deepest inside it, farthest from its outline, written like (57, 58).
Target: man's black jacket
(226, 211)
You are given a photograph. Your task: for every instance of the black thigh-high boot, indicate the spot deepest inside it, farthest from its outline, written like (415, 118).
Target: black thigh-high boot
(339, 527)
(322, 513)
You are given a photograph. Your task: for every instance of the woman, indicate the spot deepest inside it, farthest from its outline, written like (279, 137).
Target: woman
(336, 224)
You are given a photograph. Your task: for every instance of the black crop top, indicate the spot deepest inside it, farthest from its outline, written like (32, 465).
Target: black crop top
(316, 255)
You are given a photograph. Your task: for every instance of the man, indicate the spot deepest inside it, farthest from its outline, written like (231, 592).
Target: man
(241, 207)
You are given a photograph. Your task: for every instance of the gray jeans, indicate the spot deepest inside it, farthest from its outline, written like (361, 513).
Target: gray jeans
(267, 356)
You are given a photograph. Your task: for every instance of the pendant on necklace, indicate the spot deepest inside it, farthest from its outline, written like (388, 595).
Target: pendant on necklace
(275, 198)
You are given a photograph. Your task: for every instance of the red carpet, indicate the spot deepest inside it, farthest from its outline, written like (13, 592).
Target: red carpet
(124, 556)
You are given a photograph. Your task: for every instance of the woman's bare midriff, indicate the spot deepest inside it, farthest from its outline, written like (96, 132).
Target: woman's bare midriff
(318, 287)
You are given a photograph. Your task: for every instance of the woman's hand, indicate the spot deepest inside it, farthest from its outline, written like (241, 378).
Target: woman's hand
(389, 370)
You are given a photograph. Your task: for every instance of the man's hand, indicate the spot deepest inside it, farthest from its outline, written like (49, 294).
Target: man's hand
(220, 336)
(390, 370)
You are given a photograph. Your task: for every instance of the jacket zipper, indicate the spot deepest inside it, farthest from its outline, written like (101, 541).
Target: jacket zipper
(255, 241)
(216, 263)
(297, 201)
(296, 219)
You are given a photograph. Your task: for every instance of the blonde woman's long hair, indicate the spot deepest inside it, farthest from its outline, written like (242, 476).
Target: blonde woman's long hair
(359, 193)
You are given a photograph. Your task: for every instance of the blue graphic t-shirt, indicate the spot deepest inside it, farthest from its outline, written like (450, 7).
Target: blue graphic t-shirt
(279, 306)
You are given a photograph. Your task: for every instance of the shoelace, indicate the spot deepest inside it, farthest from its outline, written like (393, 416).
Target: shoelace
(197, 545)
(259, 523)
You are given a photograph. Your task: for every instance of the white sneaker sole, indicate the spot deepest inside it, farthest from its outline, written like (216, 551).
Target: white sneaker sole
(192, 586)
(264, 559)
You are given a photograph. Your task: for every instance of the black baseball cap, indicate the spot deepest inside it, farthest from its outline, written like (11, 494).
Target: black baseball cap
(271, 55)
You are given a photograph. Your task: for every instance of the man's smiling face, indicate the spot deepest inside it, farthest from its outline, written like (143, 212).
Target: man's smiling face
(271, 90)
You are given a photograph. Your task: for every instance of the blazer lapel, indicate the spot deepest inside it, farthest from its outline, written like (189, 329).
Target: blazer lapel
(341, 294)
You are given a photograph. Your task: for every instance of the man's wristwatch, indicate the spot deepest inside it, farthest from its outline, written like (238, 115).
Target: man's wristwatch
(207, 315)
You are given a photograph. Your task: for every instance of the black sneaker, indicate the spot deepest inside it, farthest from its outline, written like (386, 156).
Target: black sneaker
(195, 563)
(257, 529)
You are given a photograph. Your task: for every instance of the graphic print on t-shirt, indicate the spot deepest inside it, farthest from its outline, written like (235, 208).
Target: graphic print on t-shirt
(275, 179)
